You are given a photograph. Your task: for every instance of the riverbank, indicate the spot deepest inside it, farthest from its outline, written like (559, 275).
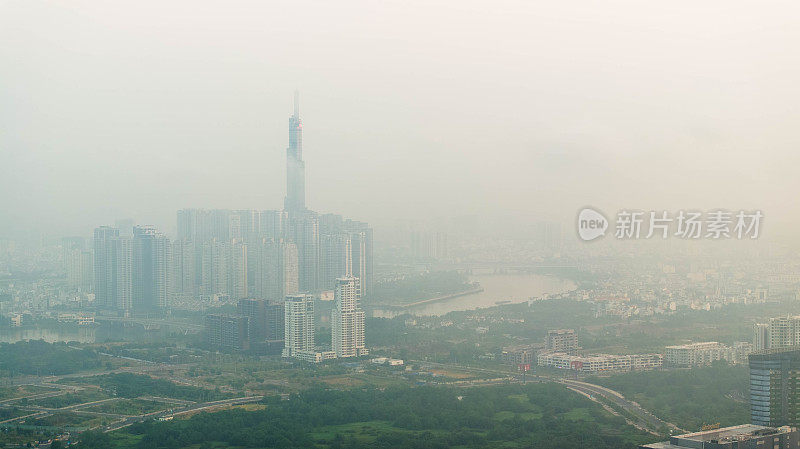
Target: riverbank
(432, 300)
(488, 291)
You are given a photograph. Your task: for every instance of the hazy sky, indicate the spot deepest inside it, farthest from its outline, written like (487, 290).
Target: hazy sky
(411, 109)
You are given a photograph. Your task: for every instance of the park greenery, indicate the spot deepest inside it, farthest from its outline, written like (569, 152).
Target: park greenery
(511, 416)
(689, 398)
(129, 385)
(38, 357)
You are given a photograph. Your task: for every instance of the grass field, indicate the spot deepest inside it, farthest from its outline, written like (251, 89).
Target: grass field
(67, 399)
(21, 391)
(129, 407)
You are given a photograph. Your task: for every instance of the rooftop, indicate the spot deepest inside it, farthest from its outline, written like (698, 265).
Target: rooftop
(744, 432)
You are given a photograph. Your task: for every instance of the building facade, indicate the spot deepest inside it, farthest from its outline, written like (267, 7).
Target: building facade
(298, 325)
(229, 332)
(561, 340)
(775, 387)
(347, 319)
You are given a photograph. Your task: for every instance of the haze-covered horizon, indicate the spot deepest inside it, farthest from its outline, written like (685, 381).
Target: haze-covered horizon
(411, 111)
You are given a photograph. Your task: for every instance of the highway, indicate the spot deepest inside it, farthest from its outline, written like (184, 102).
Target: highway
(646, 420)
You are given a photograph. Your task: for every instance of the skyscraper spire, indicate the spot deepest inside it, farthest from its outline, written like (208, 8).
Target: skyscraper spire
(295, 167)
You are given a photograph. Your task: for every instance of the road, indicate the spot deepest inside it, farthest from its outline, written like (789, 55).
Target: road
(180, 411)
(646, 420)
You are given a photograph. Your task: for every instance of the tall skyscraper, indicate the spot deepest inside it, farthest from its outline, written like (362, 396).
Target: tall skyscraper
(276, 272)
(299, 325)
(295, 167)
(336, 260)
(123, 275)
(183, 269)
(78, 264)
(224, 269)
(104, 279)
(362, 259)
(150, 272)
(305, 234)
(775, 387)
(347, 319)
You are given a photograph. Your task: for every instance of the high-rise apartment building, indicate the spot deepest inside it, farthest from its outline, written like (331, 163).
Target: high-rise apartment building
(305, 234)
(276, 321)
(228, 331)
(183, 269)
(347, 319)
(336, 259)
(123, 275)
(256, 311)
(78, 263)
(149, 270)
(224, 269)
(784, 331)
(104, 279)
(299, 325)
(361, 256)
(276, 272)
(266, 320)
(760, 336)
(273, 225)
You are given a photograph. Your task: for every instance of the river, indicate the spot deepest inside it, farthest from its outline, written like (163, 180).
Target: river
(514, 288)
(84, 334)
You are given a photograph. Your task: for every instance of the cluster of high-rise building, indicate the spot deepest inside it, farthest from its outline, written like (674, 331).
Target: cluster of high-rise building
(266, 325)
(131, 270)
(347, 324)
(224, 256)
(274, 263)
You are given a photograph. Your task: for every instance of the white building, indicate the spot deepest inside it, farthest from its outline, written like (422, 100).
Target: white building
(347, 319)
(698, 354)
(600, 362)
(299, 325)
(784, 331)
